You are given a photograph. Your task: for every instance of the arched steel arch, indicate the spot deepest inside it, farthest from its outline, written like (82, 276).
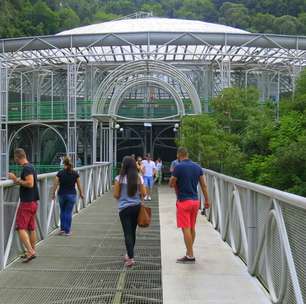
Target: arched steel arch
(115, 101)
(143, 67)
(12, 137)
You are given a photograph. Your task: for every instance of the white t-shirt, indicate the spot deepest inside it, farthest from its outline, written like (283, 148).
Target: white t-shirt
(148, 167)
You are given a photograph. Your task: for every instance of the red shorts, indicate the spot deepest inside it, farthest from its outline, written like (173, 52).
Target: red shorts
(186, 213)
(26, 216)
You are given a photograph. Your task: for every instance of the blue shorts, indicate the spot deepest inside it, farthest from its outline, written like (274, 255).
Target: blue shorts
(148, 181)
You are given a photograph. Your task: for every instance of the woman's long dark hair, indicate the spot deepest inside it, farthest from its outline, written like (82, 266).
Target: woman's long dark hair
(129, 169)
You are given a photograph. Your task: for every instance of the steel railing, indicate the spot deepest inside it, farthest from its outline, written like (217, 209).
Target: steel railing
(95, 179)
(266, 228)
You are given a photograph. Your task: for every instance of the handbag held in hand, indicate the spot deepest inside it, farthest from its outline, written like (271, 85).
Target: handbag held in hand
(144, 216)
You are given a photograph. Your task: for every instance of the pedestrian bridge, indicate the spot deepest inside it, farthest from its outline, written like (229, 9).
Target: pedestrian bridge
(250, 248)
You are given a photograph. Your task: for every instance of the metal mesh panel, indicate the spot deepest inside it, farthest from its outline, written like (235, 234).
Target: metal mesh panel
(88, 267)
(263, 206)
(262, 209)
(296, 228)
(276, 258)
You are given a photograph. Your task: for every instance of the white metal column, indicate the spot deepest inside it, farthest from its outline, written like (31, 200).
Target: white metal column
(72, 111)
(3, 120)
(111, 141)
(225, 72)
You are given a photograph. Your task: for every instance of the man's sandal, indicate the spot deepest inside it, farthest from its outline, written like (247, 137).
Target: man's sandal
(29, 258)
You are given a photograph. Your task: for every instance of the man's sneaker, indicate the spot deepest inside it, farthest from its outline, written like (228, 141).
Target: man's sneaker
(186, 260)
(146, 198)
(129, 263)
(149, 198)
(67, 234)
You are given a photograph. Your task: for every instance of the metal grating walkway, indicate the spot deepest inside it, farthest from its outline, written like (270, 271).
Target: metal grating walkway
(88, 267)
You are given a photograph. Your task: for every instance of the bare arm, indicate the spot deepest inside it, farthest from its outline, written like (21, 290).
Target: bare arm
(80, 188)
(143, 191)
(117, 190)
(55, 186)
(172, 182)
(203, 185)
(28, 182)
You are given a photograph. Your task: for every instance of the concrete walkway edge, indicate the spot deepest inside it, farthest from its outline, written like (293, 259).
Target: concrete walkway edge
(218, 277)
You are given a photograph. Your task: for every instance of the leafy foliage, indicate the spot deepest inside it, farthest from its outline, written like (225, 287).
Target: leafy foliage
(242, 138)
(37, 17)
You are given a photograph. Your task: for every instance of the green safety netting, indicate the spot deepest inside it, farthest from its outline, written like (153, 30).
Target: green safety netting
(57, 110)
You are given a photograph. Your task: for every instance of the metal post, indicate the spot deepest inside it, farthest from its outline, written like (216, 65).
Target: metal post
(225, 70)
(2, 245)
(21, 96)
(102, 142)
(52, 96)
(111, 142)
(277, 96)
(94, 140)
(3, 120)
(72, 111)
(251, 227)
(43, 207)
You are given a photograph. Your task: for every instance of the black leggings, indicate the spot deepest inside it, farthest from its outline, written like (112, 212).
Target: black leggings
(128, 218)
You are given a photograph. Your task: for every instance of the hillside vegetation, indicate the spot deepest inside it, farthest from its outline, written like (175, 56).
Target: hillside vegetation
(243, 138)
(43, 17)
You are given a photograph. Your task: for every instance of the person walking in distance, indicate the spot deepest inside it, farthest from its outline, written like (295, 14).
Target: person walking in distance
(66, 180)
(185, 178)
(139, 165)
(173, 164)
(159, 173)
(149, 171)
(26, 213)
(129, 190)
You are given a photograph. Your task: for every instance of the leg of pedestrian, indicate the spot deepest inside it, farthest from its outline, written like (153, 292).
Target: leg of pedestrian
(25, 240)
(127, 226)
(188, 239)
(62, 213)
(71, 199)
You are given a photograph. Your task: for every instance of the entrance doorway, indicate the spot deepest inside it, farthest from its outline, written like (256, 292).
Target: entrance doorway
(158, 139)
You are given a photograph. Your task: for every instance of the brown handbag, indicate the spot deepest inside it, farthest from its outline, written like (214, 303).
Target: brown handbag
(144, 216)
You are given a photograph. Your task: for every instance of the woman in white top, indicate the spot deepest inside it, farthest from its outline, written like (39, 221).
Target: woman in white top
(129, 190)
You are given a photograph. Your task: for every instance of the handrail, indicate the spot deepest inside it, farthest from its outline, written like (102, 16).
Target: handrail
(265, 227)
(95, 179)
(292, 199)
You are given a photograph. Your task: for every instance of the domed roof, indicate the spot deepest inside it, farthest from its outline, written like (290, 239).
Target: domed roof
(152, 24)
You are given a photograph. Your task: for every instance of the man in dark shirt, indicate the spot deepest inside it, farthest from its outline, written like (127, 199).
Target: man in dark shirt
(185, 178)
(26, 213)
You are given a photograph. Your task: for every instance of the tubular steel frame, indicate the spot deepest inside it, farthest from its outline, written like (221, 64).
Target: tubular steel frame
(95, 180)
(237, 199)
(74, 66)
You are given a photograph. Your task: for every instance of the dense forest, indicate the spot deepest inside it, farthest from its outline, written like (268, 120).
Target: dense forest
(43, 17)
(243, 138)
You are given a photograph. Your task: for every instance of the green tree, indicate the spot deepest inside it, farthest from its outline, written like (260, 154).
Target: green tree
(68, 18)
(234, 14)
(101, 16)
(156, 8)
(197, 10)
(263, 23)
(43, 18)
(287, 25)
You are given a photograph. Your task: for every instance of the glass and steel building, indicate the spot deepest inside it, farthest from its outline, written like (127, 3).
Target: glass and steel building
(102, 91)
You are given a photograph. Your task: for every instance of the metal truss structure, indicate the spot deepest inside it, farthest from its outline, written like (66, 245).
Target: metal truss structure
(264, 227)
(78, 84)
